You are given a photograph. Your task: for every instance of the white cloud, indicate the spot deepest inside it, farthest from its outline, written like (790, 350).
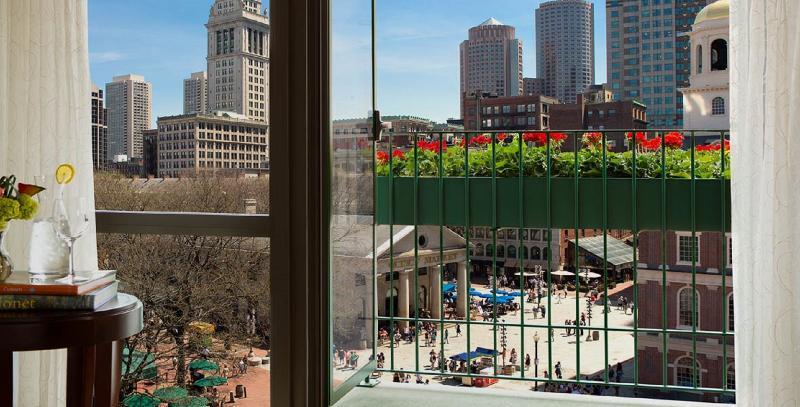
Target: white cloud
(108, 56)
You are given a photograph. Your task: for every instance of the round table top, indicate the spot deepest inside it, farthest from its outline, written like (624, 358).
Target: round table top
(54, 329)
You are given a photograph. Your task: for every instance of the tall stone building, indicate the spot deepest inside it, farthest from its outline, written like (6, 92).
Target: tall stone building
(238, 58)
(195, 93)
(129, 103)
(491, 61)
(648, 54)
(99, 130)
(533, 86)
(565, 47)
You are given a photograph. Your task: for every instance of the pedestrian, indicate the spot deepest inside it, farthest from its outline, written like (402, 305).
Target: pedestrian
(568, 324)
(544, 311)
(458, 329)
(527, 361)
(558, 369)
(446, 336)
(619, 372)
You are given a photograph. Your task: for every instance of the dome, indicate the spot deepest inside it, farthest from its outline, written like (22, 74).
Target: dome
(491, 21)
(716, 10)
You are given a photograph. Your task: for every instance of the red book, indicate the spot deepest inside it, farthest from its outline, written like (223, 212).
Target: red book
(19, 282)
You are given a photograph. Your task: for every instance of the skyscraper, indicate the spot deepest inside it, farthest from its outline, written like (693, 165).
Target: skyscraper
(648, 54)
(491, 60)
(195, 93)
(129, 106)
(99, 129)
(238, 58)
(565, 47)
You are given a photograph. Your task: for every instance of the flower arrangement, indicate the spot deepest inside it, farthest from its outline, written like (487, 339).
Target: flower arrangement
(17, 203)
(427, 157)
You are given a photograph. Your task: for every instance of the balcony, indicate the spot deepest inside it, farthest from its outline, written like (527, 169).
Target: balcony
(455, 223)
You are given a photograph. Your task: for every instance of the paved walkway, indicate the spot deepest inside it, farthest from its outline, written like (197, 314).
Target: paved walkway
(564, 348)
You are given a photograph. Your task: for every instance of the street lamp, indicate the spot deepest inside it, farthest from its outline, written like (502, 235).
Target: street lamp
(536, 358)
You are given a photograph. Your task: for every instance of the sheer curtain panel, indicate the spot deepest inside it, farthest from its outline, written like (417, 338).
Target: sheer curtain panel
(44, 121)
(765, 80)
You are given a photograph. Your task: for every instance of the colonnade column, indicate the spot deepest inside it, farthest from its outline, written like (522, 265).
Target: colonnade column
(436, 291)
(403, 301)
(463, 298)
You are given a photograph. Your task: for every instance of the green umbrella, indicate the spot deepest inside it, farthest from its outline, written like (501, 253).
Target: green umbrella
(170, 393)
(211, 381)
(140, 400)
(203, 364)
(190, 402)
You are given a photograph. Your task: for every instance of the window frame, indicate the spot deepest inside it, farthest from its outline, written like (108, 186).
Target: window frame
(678, 236)
(678, 320)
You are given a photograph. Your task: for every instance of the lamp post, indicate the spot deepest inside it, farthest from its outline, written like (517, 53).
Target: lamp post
(536, 358)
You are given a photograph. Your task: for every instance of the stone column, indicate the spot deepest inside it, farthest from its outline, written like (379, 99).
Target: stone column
(403, 300)
(435, 299)
(463, 300)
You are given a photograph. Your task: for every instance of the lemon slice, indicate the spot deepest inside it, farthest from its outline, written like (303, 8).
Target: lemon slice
(65, 173)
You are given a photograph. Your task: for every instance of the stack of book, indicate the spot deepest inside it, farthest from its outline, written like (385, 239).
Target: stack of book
(21, 292)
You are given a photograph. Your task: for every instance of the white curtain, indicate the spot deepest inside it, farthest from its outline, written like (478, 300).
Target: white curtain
(765, 126)
(45, 120)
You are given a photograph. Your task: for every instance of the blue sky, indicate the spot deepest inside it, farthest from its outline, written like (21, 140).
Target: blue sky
(165, 40)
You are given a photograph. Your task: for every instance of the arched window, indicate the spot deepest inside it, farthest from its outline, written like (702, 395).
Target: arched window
(731, 379)
(719, 55)
(699, 59)
(479, 249)
(730, 312)
(717, 106)
(501, 251)
(512, 252)
(685, 298)
(489, 250)
(536, 253)
(524, 252)
(686, 371)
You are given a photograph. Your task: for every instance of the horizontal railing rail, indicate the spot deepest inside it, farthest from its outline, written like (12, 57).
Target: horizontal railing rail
(183, 223)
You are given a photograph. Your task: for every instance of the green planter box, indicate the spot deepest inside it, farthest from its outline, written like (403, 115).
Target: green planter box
(449, 207)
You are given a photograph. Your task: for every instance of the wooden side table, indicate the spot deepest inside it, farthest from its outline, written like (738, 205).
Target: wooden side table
(93, 340)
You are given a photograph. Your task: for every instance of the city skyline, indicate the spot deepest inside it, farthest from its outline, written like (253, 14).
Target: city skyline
(434, 70)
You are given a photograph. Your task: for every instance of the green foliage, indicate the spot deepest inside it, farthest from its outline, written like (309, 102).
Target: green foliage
(27, 207)
(502, 160)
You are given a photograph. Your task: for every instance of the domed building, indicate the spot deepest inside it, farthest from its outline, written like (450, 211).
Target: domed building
(706, 102)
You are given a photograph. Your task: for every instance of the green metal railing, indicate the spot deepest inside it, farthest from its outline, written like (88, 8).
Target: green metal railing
(656, 165)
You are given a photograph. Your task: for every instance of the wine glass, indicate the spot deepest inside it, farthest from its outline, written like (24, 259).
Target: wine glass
(70, 224)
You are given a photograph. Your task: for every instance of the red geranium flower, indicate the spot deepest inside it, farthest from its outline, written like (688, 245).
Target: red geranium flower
(592, 138)
(673, 140)
(640, 136)
(653, 144)
(383, 157)
(398, 154)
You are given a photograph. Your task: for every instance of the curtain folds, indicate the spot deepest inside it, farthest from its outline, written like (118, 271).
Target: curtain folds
(45, 120)
(765, 79)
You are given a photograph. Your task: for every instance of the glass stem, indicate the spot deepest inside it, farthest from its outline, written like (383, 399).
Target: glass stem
(71, 259)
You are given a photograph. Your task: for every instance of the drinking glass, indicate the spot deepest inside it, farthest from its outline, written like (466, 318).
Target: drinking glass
(70, 222)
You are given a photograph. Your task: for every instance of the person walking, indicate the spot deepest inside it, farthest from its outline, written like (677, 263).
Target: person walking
(544, 311)
(527, 361)
(558, 369)
(458, 329)
(446, 336)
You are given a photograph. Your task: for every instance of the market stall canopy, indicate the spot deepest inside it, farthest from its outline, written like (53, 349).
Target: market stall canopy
(140, 400)
(589, 274)
(477, 353)
(562, 273)
(170, 394)
(211, 381)
(618, 253)
(203, 364)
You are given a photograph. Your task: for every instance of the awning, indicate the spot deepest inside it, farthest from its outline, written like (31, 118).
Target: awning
(618, 253)
(477, 353)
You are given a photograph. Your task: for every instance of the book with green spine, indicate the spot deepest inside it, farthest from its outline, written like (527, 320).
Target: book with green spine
(89, 301)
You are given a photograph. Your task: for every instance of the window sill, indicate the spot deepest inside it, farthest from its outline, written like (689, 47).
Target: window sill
(389, 394)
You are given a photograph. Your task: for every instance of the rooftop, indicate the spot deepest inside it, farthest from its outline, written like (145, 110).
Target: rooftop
(714, 11)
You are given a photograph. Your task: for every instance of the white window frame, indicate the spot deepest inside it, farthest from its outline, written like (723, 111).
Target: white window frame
(678, 260)
(699, 370)
(678, 324)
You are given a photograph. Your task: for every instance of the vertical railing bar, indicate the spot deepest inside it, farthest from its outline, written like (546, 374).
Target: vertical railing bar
(576, 145)
(441, 253)
(467, 215)
(416, 251)
(550, 333)
(635, 247)
(494, 246)
(521, 260)
(695, 253)
(664, 337)
(392, 327)
(723, 265)
(606, 309)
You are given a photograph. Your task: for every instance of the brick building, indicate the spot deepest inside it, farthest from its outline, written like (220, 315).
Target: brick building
(596, 110)
(714, 309)
(529, 112)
